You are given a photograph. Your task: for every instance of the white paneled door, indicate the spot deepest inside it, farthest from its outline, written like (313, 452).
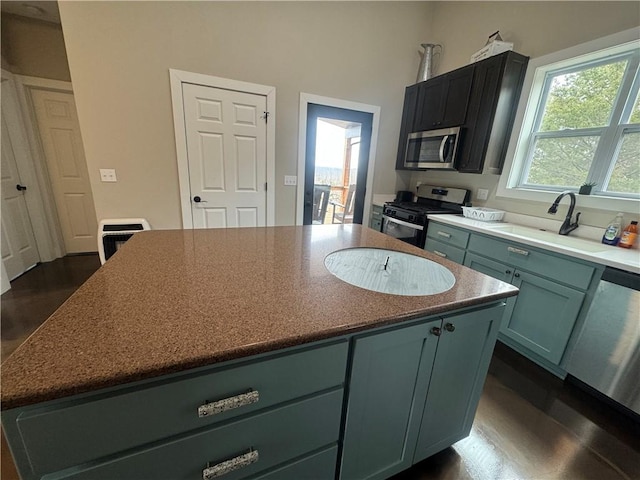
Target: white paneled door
(62, 143)
(226, 135)
(19, 251)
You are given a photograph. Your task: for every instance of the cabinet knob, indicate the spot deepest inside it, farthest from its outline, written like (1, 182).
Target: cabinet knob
(437, 331)
(517, 275)
(508, 272)
(449, 327)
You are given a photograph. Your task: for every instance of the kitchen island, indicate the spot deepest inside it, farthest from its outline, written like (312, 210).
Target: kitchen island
(193, 320)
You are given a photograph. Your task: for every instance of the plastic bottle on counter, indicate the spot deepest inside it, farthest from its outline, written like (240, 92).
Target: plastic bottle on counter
(629, 236)
(612, 233)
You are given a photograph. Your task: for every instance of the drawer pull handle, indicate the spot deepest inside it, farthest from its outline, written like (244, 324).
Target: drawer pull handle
(519, 251)
(440, 254)
(444, 234)
(213, 408)
(230, 465)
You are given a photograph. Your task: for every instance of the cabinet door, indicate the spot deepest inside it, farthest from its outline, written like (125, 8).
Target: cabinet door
(493, 101)
(489, 267)
(484, 93)
(456, 97)
(543, 315)
(430, 99)
(408, 121)
(442, 101)
(389, 370)
(461, 364)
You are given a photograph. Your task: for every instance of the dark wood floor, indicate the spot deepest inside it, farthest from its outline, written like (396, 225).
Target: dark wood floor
(529, 425)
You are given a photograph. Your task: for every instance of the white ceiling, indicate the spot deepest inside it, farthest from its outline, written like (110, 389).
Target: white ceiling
(46, 10)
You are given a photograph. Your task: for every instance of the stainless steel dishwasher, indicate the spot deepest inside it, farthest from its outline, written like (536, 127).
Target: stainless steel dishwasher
(607, 354)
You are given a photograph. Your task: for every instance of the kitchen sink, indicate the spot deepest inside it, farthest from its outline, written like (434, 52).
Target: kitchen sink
(389, 271)
(550, 237)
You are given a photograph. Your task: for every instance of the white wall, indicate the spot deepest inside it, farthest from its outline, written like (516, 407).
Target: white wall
(536, 29)
(120, 52)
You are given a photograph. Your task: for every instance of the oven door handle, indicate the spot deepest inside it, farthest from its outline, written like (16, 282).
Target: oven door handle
(402, 222)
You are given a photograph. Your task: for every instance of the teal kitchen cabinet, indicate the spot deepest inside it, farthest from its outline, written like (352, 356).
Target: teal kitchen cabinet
(461, 364)
(446, 241)
(260, 414)
(414, 391)
(541, 318)
(375, 221)
(555, 291)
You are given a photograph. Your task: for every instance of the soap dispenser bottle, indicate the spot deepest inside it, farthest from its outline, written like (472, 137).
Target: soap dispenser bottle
(612, 233)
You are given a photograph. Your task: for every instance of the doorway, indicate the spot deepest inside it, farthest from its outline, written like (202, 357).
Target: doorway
(225, 142)
(338, 142)
(336, 157)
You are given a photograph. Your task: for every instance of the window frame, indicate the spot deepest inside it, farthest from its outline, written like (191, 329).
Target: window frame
(533, 96)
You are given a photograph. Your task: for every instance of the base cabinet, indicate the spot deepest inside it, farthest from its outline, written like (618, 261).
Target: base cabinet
(375, 222)
(555, 292)
(541, 318)
(460, 368)
(414, 391)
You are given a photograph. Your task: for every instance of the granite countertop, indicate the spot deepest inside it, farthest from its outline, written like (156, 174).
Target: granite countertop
(571, 245)
(173, 300)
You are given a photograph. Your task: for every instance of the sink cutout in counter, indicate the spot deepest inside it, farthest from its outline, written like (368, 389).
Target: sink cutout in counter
(389, 271)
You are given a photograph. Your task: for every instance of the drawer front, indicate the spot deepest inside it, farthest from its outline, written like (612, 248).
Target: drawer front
(75, 432)
(321, 465)
(277, 436)
(449, 235)
(443, 250)
(558, 268)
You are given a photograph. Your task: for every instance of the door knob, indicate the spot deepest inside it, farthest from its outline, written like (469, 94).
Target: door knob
(20, 188)
(197, 199)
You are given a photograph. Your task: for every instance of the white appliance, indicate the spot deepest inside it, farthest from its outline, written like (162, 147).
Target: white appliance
(114, 232)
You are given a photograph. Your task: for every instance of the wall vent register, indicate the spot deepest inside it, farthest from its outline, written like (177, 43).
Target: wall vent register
(113, 233)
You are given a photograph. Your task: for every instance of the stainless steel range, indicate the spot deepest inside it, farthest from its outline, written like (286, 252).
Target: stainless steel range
(407, 221)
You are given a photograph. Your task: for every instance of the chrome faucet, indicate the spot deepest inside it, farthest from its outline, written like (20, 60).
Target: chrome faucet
(567, 226)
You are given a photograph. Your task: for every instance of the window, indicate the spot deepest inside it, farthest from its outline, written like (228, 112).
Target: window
(579, 122)
(587, 126)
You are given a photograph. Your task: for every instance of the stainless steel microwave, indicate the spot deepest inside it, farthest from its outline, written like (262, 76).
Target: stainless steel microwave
(432, 149)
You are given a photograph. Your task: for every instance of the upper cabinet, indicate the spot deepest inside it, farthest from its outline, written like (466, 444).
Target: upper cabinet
(443, 100)
(497, 82)
(481, 98)
(408, 119)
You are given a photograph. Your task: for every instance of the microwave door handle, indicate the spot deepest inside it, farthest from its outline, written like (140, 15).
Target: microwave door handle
(443, 145)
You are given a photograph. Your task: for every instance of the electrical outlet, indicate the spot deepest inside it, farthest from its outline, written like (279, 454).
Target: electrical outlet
(290, 180)
(108, 175)
(482, 194)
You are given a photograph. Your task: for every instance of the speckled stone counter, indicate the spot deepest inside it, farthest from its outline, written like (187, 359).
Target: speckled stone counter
(178, 299)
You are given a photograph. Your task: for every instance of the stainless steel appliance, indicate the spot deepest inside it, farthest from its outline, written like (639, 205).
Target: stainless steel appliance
(432, 149)
(607, 353)
(407, 221)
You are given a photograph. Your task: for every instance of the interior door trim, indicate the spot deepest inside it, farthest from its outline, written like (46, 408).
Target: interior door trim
(177, 78)
(305, 100)
(33, 170)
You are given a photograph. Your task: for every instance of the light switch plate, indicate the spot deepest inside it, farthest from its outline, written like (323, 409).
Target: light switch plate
(108, 175)
(482, 194)
(290, 180)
